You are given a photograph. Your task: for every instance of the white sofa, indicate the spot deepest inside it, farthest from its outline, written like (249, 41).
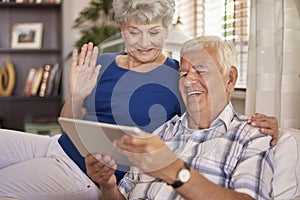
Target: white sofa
(287, 166)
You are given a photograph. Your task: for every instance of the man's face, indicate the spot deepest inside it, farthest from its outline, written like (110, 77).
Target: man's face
(202, 85)
(144, 42)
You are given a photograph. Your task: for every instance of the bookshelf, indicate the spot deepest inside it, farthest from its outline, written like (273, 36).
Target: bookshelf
(16, 110)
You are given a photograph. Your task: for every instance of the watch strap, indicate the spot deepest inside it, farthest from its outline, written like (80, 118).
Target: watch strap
(179, 183)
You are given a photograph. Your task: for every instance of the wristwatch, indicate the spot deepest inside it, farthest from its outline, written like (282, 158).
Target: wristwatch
(183, 176)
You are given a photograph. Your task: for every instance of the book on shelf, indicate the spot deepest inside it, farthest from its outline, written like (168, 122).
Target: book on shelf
(29, 82)
(48, 1)
(56, 80)
(33, 81)
(43, 81)
(37, 81)
(30, 1)
(51, 85)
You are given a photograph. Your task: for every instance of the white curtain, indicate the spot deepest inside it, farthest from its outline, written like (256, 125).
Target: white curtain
(273, 78)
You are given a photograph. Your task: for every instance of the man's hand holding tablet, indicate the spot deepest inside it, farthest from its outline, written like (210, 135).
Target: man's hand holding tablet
(97, 138)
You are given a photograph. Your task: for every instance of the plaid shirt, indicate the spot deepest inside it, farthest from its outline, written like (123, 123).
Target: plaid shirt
(230, 153)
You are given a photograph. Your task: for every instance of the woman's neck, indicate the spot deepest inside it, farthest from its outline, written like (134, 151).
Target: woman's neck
(130, 63)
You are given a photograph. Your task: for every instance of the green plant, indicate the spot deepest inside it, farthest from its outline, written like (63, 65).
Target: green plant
(95, 23)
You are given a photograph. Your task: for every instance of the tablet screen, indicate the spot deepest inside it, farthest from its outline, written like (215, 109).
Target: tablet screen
(97, 138)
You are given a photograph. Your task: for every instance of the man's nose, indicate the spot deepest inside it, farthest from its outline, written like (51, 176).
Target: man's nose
(191, 79)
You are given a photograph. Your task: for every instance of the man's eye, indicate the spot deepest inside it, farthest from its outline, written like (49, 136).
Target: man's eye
(201, 69)
(182, 74)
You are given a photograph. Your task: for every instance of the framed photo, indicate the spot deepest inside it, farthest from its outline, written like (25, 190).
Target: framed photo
(27, 36)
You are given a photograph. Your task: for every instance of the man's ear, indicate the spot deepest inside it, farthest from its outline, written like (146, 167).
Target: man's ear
(232, 77)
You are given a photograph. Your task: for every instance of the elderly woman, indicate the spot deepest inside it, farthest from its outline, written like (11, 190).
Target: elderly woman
(138, 87)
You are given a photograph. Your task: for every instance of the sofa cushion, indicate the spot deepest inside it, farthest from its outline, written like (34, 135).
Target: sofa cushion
(286, 181)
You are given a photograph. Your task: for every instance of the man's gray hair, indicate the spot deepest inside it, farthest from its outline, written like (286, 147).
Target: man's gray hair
(144, 11)
(225, 51)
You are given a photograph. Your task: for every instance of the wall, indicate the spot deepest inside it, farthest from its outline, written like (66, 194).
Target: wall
(238, 101)
(298, 7)
(71, 10)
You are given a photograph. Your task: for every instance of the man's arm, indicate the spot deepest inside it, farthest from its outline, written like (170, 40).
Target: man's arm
(153, 157)
(198, 187)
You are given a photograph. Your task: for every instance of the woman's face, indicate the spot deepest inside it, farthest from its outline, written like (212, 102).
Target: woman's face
(144, 42)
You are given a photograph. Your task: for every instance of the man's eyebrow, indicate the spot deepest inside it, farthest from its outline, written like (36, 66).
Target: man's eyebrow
(200, 66)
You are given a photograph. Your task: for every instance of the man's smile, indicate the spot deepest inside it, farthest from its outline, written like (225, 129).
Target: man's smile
(194, 93)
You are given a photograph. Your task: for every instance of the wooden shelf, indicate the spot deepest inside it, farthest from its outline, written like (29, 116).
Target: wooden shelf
(16, 110)
(30, 51)
(33, 98)
(30, 5)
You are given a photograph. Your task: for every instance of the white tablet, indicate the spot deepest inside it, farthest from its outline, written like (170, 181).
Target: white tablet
(97, 138)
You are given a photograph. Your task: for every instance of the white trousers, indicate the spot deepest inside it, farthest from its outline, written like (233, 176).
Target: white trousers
(36, 167)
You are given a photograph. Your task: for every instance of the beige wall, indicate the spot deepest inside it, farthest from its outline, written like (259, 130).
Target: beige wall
(238, 101)
(71, 9)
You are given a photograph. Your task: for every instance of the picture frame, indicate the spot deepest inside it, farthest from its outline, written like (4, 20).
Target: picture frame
(27, 35)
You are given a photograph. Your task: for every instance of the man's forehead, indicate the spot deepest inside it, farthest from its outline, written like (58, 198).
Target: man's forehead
(207, 57)
(198, 55)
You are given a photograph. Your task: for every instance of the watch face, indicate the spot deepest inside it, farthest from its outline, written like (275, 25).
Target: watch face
(184, 175)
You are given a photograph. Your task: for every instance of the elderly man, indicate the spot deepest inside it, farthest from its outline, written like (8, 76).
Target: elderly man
(210, 152)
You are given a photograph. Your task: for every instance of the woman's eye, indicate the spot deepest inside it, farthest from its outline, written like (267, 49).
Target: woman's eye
(134, 32)
(154, 33)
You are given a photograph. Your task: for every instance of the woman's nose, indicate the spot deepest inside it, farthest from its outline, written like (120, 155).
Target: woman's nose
(145, 40)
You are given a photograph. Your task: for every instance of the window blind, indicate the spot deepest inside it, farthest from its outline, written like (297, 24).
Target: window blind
(228, 19)
(241, 38)
(186, 10)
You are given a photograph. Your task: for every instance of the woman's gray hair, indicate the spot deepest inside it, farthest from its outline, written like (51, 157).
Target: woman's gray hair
(225, 51)
(144, 11)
